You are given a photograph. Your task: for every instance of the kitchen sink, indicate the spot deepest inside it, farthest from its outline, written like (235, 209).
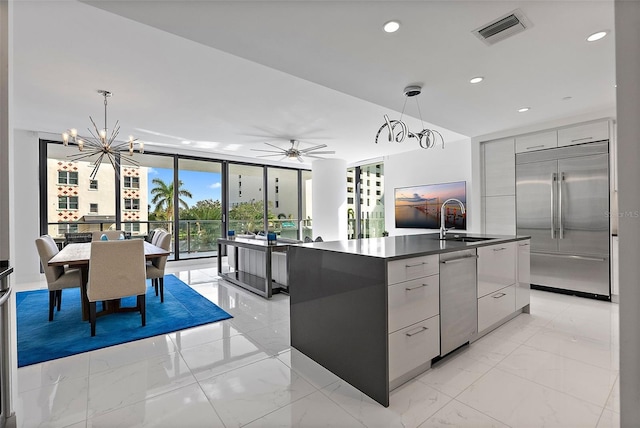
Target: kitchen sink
(466, 239)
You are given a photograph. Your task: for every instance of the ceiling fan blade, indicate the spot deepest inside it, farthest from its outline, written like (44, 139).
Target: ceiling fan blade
(266, 156)
(274, 146)
(300, 159)
(269, 151)
(295, 144)
(313, 156)
(319, 146)
(326, 152)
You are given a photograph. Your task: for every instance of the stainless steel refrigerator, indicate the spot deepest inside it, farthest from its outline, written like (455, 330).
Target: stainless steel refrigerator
(562, 202)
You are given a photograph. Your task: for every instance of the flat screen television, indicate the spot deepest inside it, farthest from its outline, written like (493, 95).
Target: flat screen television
(419, 206)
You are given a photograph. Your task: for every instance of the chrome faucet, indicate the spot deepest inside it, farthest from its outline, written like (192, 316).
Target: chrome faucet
(443, 231)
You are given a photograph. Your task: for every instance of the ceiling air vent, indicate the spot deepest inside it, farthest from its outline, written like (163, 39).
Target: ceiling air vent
(506, 26)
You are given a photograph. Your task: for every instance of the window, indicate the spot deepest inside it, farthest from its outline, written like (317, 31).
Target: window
(67, 177)
(93, 208)
(378, 192)
(67, 202)
(277, 204)
(368, 192)
(67, 228)
(349, 179)
(277, 188)
(132, 182)
(349, 200)
(93, 184)
(132, 204)
(378, 183)
(131, 227)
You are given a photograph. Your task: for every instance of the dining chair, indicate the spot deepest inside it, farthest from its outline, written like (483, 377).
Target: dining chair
(155, 269)
(116, 270)
(58, 277)
(111, 235)
(156, 236)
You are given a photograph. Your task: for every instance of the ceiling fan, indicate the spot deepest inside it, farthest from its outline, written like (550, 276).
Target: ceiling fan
(295, 152)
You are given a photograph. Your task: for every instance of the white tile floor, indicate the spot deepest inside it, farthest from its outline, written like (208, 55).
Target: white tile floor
(557, 367)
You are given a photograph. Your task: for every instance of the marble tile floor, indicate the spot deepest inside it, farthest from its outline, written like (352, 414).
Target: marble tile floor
(555, 367)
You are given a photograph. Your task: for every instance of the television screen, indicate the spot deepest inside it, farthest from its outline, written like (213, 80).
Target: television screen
(419, 206)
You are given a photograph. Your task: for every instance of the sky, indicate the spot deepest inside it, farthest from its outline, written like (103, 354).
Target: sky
(202, 185)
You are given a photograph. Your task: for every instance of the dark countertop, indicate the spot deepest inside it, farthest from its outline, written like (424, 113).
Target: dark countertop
(399, 247)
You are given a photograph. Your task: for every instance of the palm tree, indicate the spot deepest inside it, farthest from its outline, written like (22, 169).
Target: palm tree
(163, 197)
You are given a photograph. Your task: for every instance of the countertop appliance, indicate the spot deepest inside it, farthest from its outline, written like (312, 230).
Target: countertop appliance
(458, 299)
(562, 202)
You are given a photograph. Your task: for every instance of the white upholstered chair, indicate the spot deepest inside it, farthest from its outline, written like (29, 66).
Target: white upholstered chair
(58, 277)
(111, 235)
(116, 270)
(155, 269)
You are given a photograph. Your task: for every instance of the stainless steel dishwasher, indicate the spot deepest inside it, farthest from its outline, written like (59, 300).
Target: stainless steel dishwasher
(458, 299)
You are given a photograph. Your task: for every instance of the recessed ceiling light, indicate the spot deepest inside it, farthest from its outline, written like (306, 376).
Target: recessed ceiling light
(476, 79)
(523, 109)
(596, 36)
(391, 26)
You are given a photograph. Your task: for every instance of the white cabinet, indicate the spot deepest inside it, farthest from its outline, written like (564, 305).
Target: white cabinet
(413, 301)
(585, 133)
(523, 285)
(408, 269)
(500, 215)
(499, 167)
(538, 141)
(413, 346)
(495, 306)
(496, 267)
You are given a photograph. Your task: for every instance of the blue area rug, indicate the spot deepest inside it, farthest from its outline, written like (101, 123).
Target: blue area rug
(40, 340)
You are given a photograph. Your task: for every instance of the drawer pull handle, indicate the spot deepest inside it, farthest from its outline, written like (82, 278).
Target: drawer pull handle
(535, 147)
(580, 139)
(500, 249)
(416, 287)
(461, 259)
(416, 265)
(499, 295)
(418, 331)
(524, 245)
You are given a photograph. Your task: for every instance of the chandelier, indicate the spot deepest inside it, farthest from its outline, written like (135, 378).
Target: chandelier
(97, 144)
(398, 130)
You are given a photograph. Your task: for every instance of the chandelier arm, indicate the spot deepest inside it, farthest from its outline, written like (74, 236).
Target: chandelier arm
(94, 125)
(114, 163)
(96, 165)
(114, 131)
(83, 155)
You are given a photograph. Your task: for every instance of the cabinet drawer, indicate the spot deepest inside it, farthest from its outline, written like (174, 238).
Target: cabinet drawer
(495, 306)
(586, 133)
(408, 269)
(413, 346)
(412, 301)
(496, 267)
(540, 141)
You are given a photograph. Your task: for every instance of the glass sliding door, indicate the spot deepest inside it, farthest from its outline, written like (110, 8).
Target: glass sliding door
(246, 199)
(200, 220)
(372, 200)
(147, 195)
(352, 199)
(282, 193)
(306, 226)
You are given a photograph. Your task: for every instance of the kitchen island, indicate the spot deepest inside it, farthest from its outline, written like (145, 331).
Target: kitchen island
(377, 311)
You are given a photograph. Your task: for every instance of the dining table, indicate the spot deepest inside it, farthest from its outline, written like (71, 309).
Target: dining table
(77, 255)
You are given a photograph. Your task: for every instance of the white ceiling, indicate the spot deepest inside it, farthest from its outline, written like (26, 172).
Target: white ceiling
(226, 76)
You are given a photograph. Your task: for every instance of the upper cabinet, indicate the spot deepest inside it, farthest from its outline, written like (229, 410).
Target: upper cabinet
(499, 168)
(585, 133)
(539, 141)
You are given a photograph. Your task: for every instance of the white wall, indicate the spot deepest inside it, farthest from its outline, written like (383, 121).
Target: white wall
(431, 166)
(25, 205)
(329, 192)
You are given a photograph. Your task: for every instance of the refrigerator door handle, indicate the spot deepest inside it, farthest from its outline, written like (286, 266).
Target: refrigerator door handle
(570, 256)
(553, 205)
(560, 220)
